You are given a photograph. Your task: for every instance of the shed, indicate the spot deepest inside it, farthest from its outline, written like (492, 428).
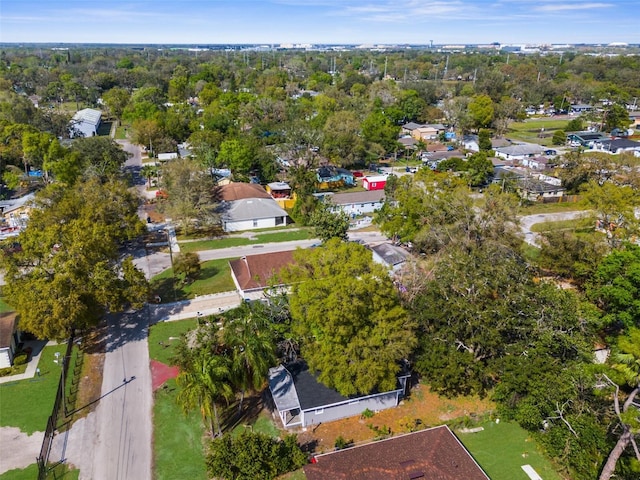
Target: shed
(376, 182)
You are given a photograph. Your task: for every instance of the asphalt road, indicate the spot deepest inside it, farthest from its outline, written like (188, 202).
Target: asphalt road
(123, 442)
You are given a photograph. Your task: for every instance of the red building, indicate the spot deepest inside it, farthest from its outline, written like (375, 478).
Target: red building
(374, 183)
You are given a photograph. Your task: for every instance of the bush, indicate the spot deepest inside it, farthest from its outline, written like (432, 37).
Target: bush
(342, 443)
(187, 264)
(20, 359)
(5, 371)
(367, 413)
(559, 137)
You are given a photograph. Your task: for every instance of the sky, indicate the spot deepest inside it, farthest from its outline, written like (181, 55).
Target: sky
(200, 22)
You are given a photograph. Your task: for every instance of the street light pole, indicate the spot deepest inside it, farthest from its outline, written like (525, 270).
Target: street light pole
(173, 272)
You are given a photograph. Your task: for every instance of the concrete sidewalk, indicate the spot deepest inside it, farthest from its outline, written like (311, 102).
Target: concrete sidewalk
(32, 366)
(200, 306)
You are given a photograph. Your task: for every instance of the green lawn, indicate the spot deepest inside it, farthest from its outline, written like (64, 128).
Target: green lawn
(262, 424)
(4, 307)
(579, 223)
(59, 473)
(502, 449)
(530, 130)
(215, 277)
(162, 338)
(283, 236)
(551, 208)
(177, 446)
(27, 404)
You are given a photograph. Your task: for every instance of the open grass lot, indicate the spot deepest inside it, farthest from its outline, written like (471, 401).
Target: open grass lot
(215, 277)
(177, 446)
(531, 130)
(536, 208)
(261, 424)
(577, 224)
(162, 338)
(27, 404)
(502, 449)
(61, 472)
(274, 237)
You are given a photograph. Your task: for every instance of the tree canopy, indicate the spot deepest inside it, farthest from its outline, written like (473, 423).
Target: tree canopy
(347, 313)
(67, 273)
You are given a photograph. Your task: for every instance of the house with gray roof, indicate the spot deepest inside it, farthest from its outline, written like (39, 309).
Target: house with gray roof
(301, 400)
(248, 206)
(357, 203)
(519, 151)
(390, 256)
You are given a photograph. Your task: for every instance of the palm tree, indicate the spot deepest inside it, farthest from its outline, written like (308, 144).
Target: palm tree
(628, 364)
(203, 385)
(252, 349)
(148, 171)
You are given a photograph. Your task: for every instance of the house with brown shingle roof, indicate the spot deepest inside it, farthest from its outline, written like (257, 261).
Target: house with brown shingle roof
(252, 274)
(434, 453)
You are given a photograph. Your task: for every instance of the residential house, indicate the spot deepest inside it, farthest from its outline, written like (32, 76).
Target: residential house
(428, 132)
(390, 256)
(8, 339)
(330, 177)
(409, 128)
(165, 157)
(519, 151)
(580, 108)
(585, 139)
(409, 143)
(252, 274)
(470, 142)
(376, 182)
(434, 453)
(247, 206)
(536, 190)
(85, 123)
(301, 400)
(281, 193)
(617, 145)
(536, 163)
(357, 203)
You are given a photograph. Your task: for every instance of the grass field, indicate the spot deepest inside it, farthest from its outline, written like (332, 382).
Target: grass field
(501, 450)
(531, 130)
(4, 307)
(284, 236)
(162, 338)
(262, 424)
(59, 473)
(27, 404)
(580, 223)
(551, 208)
(215, 277)
(177, 445)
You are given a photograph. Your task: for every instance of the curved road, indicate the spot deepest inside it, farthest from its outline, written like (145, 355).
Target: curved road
(528, 221)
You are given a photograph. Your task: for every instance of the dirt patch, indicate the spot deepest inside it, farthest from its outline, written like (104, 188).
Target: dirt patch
(160, 373)
(24, 448)
(423, 409)
(90, 381)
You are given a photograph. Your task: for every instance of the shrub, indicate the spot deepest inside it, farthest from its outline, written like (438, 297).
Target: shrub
(187, 264)
(367, 414)
(342, 443)
(5, 371)
(559, 137)
(20, 359)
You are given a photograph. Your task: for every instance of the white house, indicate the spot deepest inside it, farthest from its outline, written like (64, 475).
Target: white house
(520, 151)
(357, 203)
(85, 123)
(248, 206)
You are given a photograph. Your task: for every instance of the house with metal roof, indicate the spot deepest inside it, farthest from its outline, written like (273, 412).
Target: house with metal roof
(357, 203)
(390, 256)
(301, 400)
(85, 123)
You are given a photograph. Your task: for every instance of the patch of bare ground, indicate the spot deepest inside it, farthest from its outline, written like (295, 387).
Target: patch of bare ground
(423, 409)
(90, 378)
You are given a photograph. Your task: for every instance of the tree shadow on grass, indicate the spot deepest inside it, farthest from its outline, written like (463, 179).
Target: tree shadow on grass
(208, 272)
(164, 289)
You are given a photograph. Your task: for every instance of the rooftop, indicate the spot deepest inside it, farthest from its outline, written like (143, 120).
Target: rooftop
(241, 191)
(434, 453)
(256, 271)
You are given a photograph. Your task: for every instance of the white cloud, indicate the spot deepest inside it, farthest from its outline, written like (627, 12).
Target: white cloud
(571, 6)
